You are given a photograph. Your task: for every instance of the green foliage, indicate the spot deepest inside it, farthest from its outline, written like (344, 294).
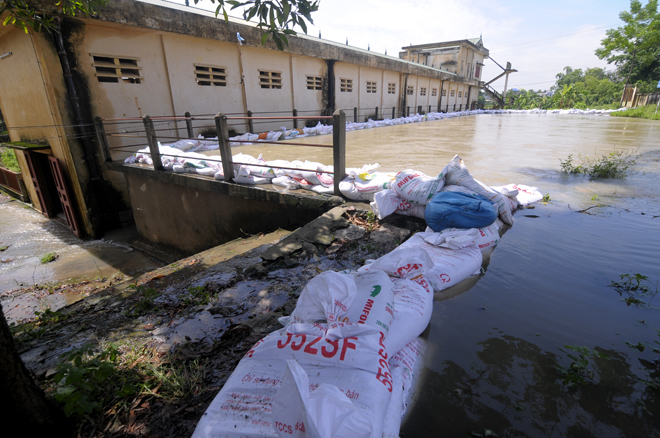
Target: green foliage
(48, 257)
(91, 383)
(635, 289)
(145, 303)
(546, 198)
(635, 44)
(3, 248)
(8, 160)
(579, 372)
(197, 295)
(644, 112)
(594, 198)
(22, 14)
(87, 380)
(616, 164)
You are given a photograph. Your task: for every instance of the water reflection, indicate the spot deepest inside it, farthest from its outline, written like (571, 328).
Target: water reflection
(512, 388)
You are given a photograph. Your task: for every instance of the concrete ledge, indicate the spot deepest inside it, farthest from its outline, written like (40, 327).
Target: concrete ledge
(306, 199)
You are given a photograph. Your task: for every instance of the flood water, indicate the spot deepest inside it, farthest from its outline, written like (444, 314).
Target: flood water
(29, 235)
(493, 350)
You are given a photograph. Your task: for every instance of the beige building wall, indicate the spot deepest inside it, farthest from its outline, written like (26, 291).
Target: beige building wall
(33, 95)
(344, 99)
(391, 99)
(369, 101)
(183, 54)
(423, 100)
(306, 100)
(267, 101)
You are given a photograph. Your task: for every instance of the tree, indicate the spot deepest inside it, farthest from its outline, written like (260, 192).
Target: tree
(638, 39)
(277, 19)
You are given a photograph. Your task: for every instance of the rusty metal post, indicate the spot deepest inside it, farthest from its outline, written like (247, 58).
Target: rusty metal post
(250, 123)
(354, 114)
(429, 108)
(189, 125)
(376, 113)
(419, 110)
(338, 147)
(394, 112)
(407, 111)
(295, 121)
(152, 140)
(102, 139)
(225, 148)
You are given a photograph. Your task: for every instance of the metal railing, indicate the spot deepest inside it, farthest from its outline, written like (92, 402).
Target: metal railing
(221, 123)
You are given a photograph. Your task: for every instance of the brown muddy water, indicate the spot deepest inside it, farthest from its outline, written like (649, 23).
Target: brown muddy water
(493, 350)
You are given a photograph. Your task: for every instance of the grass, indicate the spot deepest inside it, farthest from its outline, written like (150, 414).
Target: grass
(579, 372)
(644, 112)
(48, 257)
(101, 385)
(8, 160)
(616, 164)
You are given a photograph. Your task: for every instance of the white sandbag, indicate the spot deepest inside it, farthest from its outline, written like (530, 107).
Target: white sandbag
(451, 266)
(323, 190)
(413, 307)
(526, 194)
(219, 175)
(373, 182)
(415, 211)
(348, 189)
(404, 366)
(387, 202)
(458, 174)
(353, 172)
(417, 187)
(243, 178)
(309, 173)
(456, 238)
(274, 164)
(207, 171)
(185, 145)
(324, 412)
(326, 298)
(286, 181)
(351, 357)
(373, 304)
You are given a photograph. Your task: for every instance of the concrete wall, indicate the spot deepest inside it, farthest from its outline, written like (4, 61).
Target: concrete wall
(191, 218)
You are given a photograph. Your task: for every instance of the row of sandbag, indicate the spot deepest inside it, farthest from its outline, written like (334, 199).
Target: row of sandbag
(343, 364)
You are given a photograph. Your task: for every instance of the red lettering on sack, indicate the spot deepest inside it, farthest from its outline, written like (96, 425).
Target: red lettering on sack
(482, 232)
(341, 305)
(309, 348)
(284, 427)
(346, 345)
(297, 347)
(365, 311)
(288, 339)
(445, 278)
(410, 267)
(300, 426)
(332, 353)
(254, 347)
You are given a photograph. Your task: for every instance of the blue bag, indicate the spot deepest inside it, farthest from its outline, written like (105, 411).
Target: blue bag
(459, 210)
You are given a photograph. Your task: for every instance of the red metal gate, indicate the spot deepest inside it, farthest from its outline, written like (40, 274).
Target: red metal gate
(63, 194)
(39, 183)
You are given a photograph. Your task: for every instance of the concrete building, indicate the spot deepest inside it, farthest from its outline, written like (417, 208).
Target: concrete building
(464, 58)
(152, 57)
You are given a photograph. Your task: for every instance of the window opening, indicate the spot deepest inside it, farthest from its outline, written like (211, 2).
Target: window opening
(391, 88)
(346, 85)
(270, 79)
(314, 83)
(410, 91)
(207, 75)
(422, 91)
(111, 69)
(371, 87)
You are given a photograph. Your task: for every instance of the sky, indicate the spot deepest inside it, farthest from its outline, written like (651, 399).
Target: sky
(538, 37)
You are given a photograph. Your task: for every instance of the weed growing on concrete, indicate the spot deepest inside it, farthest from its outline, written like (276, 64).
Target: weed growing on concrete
(635, 288)
(594, 198)
(546, 198)
(49, 257)
(197, 295)
(579, 372)
(101, 387)
(3, 248)
(146, 303)
(616, 164)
